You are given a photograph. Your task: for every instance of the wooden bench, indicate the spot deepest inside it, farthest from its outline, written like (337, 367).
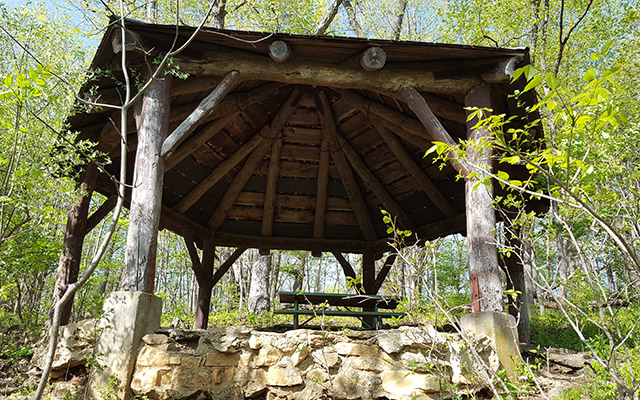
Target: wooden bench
(369, 313)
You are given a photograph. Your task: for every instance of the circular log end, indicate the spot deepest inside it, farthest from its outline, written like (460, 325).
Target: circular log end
(373, 59)
(279, 51)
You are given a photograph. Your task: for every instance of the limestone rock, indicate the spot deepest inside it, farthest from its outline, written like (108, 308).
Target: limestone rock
(353, 384)
(268, 356)
(326, 358)
(404, 384)
(355, 349)
(278, 376)
(393, 341)
(218, 359)
(257, 384)
(75, 341)
(157, 339)
(569, 358)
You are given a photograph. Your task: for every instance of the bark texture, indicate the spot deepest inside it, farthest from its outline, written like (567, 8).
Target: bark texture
(146, 199)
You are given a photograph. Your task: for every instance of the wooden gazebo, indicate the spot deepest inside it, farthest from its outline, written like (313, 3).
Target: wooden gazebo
(278, 141)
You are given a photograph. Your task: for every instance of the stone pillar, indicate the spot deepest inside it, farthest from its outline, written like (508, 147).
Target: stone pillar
(484, 271)
(128, 316)
(501, 328)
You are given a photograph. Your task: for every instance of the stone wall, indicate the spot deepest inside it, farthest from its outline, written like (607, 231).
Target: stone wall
(239, 363)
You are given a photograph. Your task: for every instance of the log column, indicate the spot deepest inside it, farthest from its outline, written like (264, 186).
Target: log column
(152, 120)
(75, 232)
(484, 271)
(514, 268)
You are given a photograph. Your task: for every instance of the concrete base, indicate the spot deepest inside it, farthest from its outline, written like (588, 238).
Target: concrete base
(502, 329)
(128, 316)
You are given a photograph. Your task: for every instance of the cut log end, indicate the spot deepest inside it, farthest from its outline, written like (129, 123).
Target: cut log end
(316, 253)
(279, 51)
(264, 252)
(373, 59)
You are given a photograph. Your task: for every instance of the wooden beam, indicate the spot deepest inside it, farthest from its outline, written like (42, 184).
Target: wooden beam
(279, 51)
(205, 108)
(411, 129)
(369, 272)
(358, 204)
(220, 171)
(443, 108)
(384, 271)
(419, 105)
(347, 269)
(146, 197)
(261, 67)
(482, 253)
(241, 178)
(416, 172)
(372, 182)
(196, 265)
(193, 144)
(321, 191)
(205, 286)
(227, 165)
(176, 222)
(99, 214)
(272, 183)
(227, 264)
(319, 217)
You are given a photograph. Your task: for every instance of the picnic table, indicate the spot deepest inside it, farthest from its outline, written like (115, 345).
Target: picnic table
(367, 308)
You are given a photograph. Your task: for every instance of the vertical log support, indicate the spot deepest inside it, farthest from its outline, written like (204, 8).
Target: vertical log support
(205, 286)
(152, 120)
(481, 219)
(69, 265)
(368, 283)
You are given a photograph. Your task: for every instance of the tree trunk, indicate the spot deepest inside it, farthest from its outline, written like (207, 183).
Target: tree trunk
(258, 301)
(328, 17)
(397, 19)
(69, 264)
(152, 120)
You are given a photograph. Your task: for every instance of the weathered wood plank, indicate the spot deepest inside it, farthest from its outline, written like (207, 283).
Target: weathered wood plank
(293, 202)
(348, 179)
(482, 252)
(288, 215)
(416, 172)
(146, 197)
(205, 108)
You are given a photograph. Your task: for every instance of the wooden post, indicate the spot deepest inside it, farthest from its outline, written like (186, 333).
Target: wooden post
(368, 283)
(205, 286)
(481, 219)
(69, 264)
(152, 119)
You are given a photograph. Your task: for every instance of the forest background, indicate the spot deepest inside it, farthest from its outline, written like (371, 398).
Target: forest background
(581, 257)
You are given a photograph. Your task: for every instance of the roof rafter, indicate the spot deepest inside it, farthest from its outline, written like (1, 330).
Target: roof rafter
(330, 131)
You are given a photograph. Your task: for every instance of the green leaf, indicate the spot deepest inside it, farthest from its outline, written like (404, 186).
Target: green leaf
(533, 83)
(589, 75)
(503, 175)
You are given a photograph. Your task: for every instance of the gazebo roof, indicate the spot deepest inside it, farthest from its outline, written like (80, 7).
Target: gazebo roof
(303, 154)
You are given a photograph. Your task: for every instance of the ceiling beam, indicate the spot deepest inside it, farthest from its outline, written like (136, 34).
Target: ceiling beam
(270, 195)
(419, 105)
(321, 192)
(415, 171)
(227, 165)
(262, 67)
(197, 116)
(330, 131)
